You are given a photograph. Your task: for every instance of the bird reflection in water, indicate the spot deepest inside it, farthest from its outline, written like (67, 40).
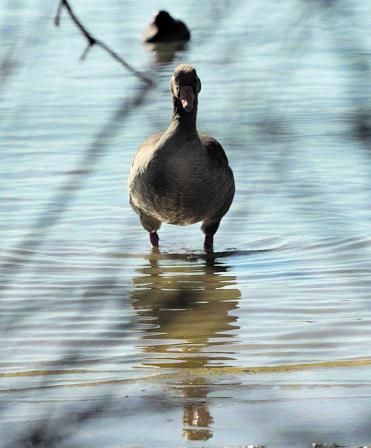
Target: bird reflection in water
(186, 313)
(165, 52)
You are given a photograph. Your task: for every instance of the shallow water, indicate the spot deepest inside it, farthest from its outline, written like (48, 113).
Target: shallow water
(266, 341)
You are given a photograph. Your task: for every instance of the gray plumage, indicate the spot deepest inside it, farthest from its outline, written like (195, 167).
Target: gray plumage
(180, 176)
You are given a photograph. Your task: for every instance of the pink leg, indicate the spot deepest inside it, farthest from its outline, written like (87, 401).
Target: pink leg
(154, 239)
(209, 228)
(209, 242)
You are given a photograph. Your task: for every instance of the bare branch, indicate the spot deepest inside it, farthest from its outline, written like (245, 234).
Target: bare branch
(93, 41)
(85, 53)
(57, 19)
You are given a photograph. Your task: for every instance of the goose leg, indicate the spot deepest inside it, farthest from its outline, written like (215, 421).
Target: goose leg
(209, 243)
(209, 228)
(154, 238)
(151, 225)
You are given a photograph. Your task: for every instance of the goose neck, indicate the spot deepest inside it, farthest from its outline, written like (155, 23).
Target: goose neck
(182, 120)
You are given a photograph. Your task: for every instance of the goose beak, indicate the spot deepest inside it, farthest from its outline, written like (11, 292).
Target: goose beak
(187, 96)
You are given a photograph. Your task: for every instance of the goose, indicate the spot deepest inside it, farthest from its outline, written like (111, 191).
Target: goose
(181, 176)
(165, 28)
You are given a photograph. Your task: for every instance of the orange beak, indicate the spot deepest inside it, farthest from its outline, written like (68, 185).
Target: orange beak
(187, 96)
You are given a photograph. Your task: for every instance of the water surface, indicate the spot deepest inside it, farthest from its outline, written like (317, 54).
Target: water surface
(266, 341)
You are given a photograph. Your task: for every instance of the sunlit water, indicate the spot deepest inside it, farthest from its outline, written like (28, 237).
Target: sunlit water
(104, 344)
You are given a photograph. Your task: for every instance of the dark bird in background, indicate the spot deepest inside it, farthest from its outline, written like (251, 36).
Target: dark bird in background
(165, 28)
(180, 176)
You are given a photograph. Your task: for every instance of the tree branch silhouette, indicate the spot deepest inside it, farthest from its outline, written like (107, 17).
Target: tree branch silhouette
(93, 41)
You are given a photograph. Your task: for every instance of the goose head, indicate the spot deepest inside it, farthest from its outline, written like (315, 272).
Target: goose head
(185, 86)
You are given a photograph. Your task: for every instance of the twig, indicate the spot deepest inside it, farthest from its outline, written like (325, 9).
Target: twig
(91, 40)
(57, 19)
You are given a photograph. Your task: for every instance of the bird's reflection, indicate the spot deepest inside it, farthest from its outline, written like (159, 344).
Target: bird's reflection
(197, 420)
(185, 311)
(165, 52)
